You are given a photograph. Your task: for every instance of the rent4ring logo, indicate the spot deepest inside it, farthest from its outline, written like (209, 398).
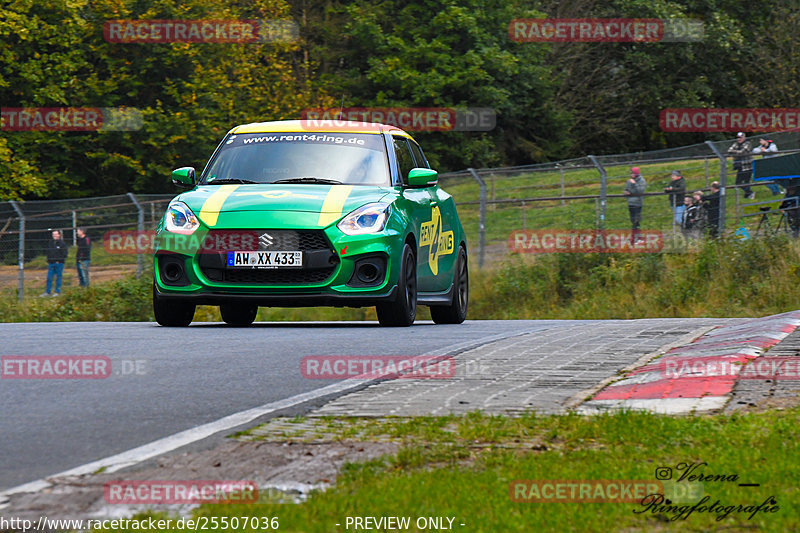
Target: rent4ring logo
(439, 242)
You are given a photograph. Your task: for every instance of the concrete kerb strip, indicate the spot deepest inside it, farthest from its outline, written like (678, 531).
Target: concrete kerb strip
(587, 394)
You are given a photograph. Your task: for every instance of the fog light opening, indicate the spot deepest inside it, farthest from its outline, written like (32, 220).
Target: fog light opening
(173, 272)
(368, 272)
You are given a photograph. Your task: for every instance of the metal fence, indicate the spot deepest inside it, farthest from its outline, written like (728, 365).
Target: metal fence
(587, 193)
(25, 231)
(581, 193)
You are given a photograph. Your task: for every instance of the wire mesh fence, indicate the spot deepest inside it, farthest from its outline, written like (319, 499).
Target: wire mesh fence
(585, 193)
(26, 230)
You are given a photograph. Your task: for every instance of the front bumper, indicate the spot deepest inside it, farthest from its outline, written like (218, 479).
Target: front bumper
(327, 278)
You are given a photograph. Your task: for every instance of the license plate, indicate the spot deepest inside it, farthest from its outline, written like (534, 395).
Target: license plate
(279, 259)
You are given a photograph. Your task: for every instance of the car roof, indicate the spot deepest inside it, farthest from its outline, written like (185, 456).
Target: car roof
(319, 125)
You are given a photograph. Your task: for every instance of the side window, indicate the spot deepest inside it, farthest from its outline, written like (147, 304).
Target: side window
(405, 161)
(418, 155)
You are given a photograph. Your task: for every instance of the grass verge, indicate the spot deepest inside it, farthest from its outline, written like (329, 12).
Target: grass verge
(462, 467)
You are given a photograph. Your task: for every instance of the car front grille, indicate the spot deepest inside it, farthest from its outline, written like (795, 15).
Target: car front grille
(319, 260)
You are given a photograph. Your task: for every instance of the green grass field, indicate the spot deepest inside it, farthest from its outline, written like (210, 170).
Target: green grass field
(463, 468)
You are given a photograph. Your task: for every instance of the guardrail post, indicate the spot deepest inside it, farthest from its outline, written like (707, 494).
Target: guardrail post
(21, 253)
(481, 217)
(601, 222)
(723, 182)
(140, 227)
(561, 171)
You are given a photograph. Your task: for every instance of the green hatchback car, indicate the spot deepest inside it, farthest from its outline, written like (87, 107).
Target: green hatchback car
(298, 213)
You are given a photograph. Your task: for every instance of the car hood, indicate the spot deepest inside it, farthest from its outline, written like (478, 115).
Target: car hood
(228, 205)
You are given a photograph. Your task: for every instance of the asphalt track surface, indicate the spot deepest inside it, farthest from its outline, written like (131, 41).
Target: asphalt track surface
(166, 380)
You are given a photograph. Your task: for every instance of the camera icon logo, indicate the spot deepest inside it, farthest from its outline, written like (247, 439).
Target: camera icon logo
(663, 473)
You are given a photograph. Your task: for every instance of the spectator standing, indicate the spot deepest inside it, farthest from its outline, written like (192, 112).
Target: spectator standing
(686, 223)
(634, 190)
(83, 257)
(697, 216)
(768, 149)
(677, 190)
(712, 204)
(56, 255)
(742, 163)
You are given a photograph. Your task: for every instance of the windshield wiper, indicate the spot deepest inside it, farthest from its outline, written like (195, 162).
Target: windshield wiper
(309, 179)
(230, 180)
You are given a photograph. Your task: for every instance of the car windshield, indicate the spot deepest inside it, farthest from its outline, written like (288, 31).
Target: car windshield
(349, 158)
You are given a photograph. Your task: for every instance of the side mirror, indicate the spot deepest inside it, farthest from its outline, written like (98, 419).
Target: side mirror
(183, 177)
(422, 177)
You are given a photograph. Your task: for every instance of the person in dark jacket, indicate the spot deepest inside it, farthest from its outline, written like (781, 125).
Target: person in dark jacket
(56, 254)
(634, 190)
(677, 190)
(712, 205)
(83, 257)
(743, 163)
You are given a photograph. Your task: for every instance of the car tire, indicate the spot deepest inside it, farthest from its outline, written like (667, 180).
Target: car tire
(238, 315)
(172, 313)
(456, 312)
(403, 310)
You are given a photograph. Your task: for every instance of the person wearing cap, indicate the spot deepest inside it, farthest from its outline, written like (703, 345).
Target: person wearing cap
(742, 163)
(634, 190)
(768, 149)
(677, 190)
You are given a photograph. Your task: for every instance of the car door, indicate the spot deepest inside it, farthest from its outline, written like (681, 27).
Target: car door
(418, 204)
(440, 259)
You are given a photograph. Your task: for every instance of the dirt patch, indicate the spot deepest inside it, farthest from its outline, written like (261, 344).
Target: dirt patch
(37, 277)
(284, 471)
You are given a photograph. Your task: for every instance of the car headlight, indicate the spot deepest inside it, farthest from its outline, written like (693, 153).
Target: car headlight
(370, 218)
(180, 219)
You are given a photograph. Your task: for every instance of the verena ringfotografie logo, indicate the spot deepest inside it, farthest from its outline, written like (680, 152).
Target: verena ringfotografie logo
(612, 30)
(377, 367)
(200, 31)
(70, 119)
(211, 242)
(585, 241)
(728, 120)
(767, 368)
(407, 118)
(55, 367)
(179, 492)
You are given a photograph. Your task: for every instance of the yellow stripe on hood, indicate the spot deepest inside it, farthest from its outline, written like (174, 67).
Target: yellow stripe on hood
(333, 204)
(213, 204)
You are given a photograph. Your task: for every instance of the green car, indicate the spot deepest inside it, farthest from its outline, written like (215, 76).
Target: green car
(295, 214)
